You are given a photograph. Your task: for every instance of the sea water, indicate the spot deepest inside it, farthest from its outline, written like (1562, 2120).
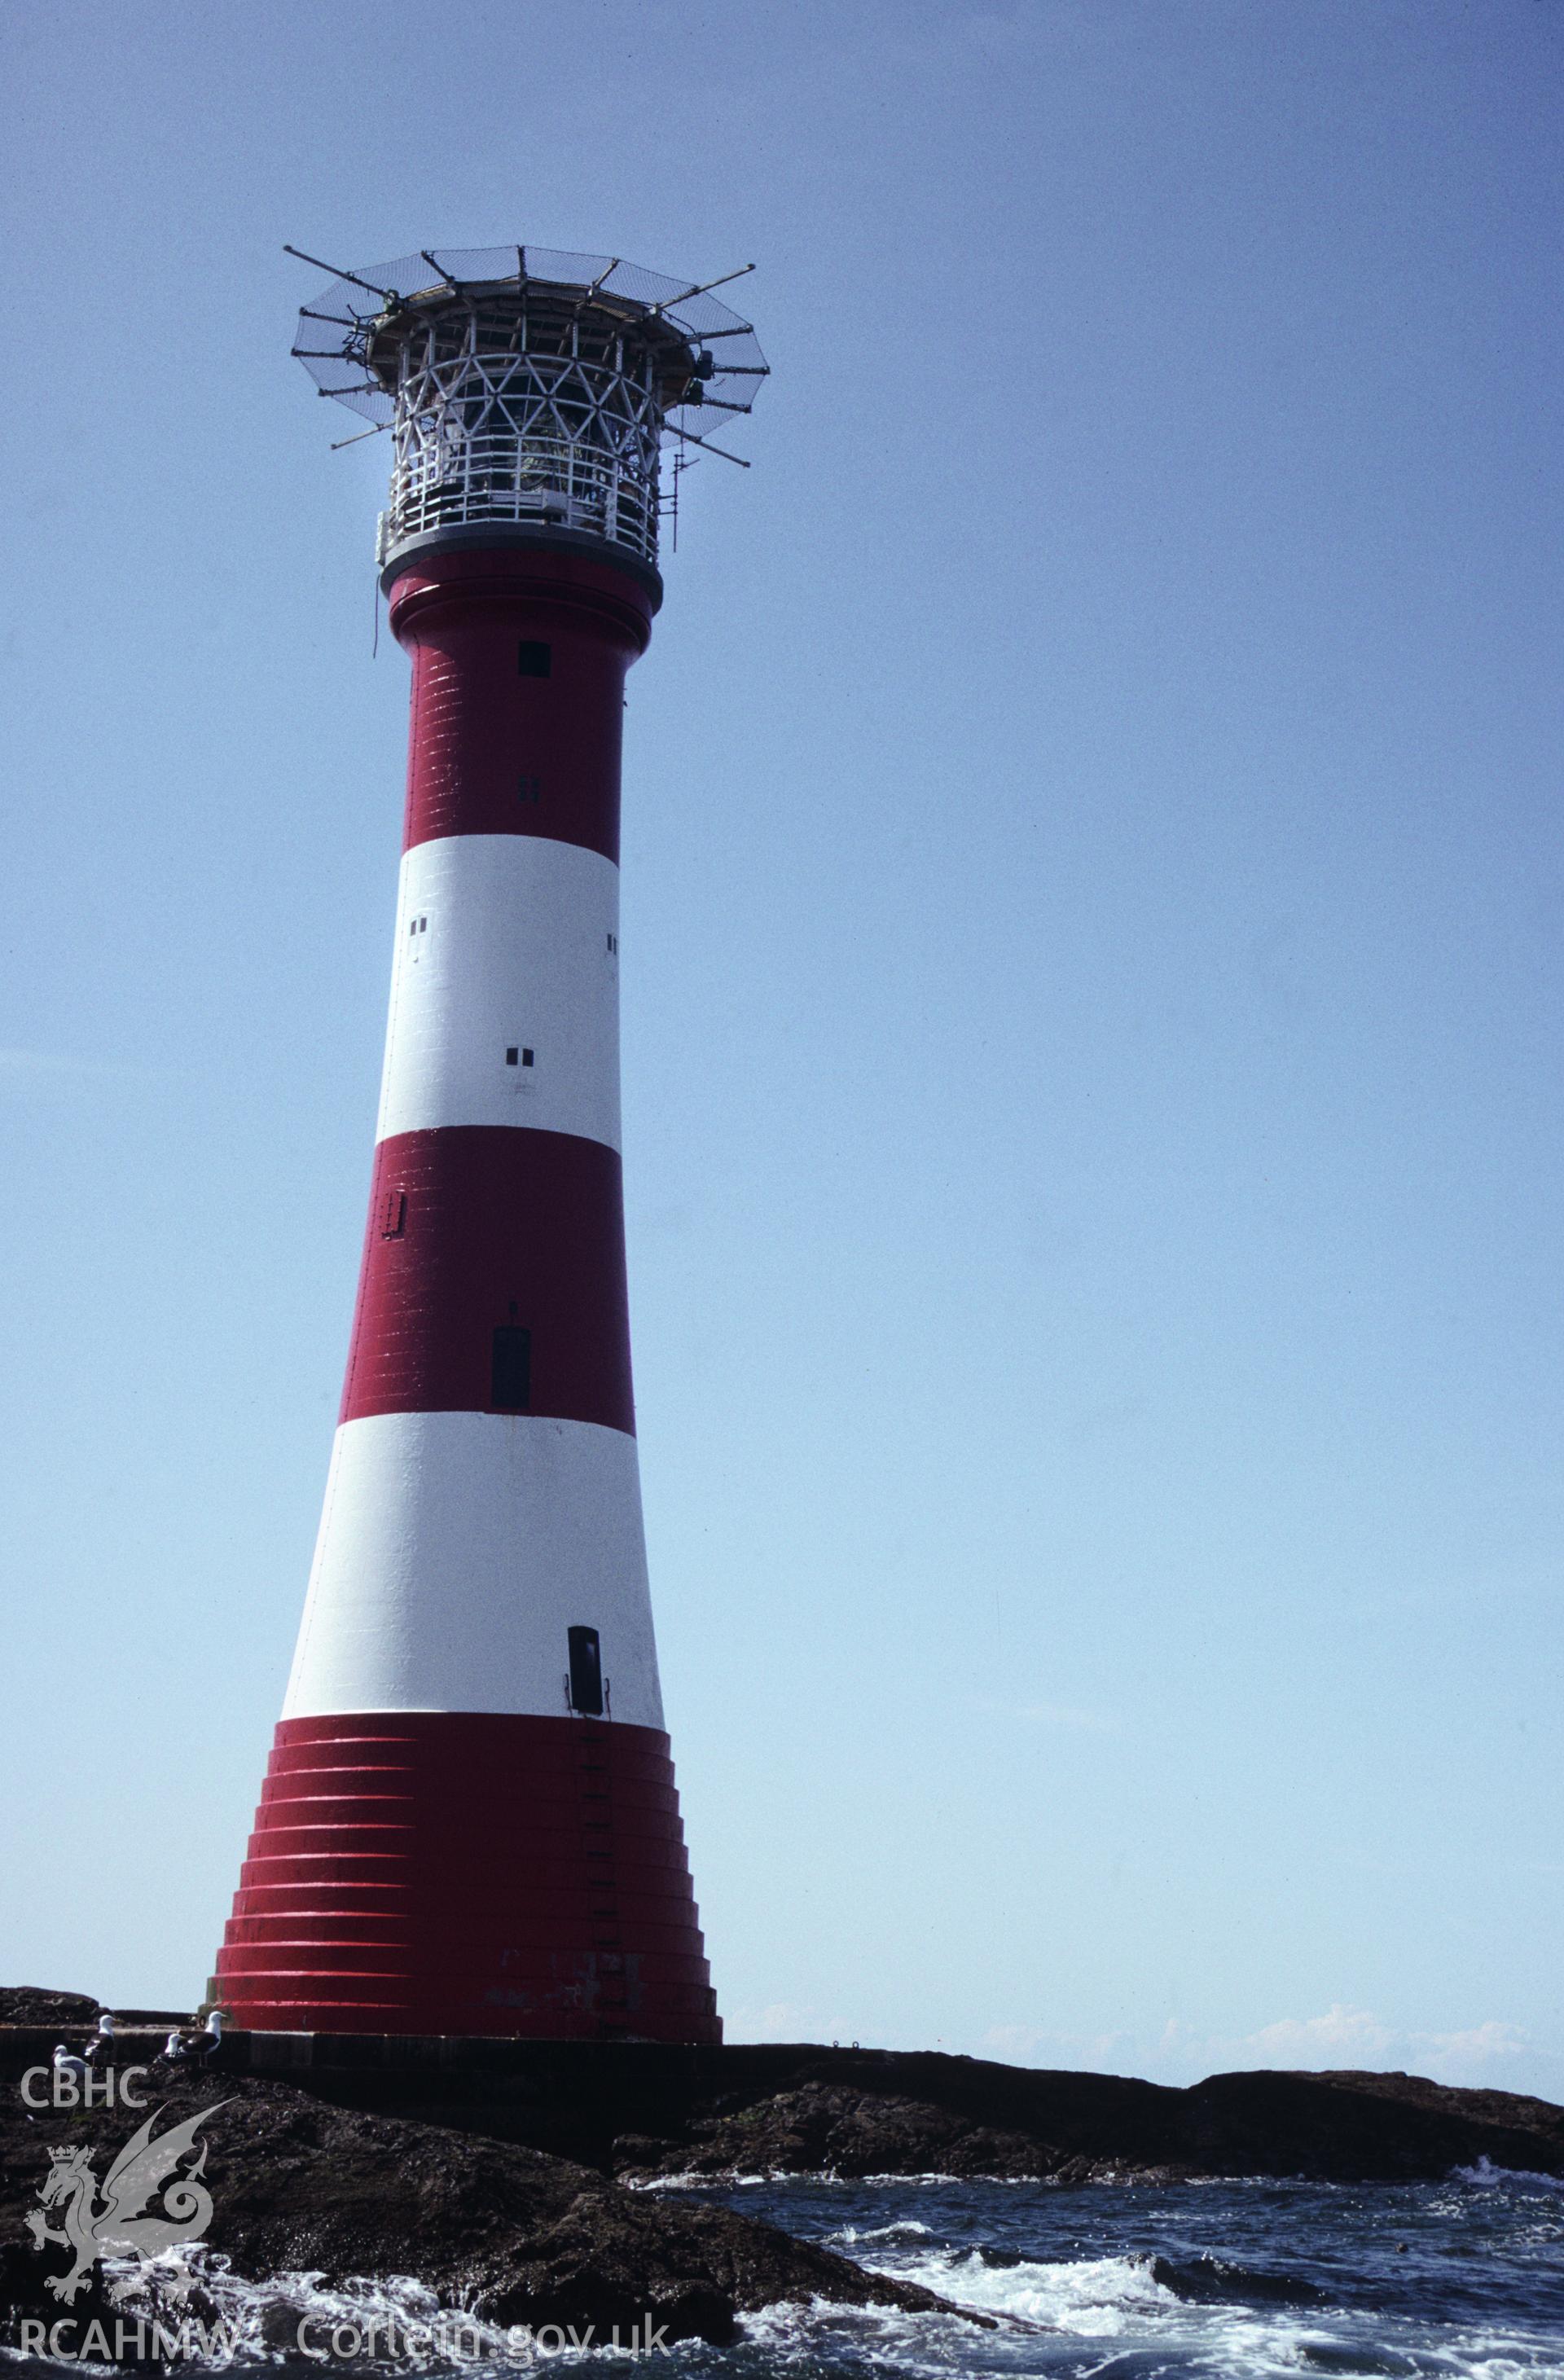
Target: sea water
(1461, 2279)
(1239, 2281)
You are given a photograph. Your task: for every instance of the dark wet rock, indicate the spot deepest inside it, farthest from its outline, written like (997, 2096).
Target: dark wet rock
(32, 2004)
(504, 2230)
(1358, 2127)
(644, 2110)
(855, 2113)
(1207, 2280)
(822, 2127)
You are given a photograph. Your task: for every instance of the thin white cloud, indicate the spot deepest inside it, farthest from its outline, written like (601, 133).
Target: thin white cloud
(1346, 2036)
(1493, 2040)
(1342, 2036)
(1495, 2053)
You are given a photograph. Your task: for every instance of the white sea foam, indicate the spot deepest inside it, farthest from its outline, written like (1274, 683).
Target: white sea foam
(850, 2238)
(1487, 2176)
(1100, 2296)
(820, 2338)
(1067, 2316)
(393, 2322)
(1098, 2318)
(1081, 2321)
(778, 2176)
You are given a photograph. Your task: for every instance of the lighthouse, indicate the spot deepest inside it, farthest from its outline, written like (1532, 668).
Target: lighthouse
(470, 1823)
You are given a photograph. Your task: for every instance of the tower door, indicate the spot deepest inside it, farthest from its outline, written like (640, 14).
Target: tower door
(585, 1672)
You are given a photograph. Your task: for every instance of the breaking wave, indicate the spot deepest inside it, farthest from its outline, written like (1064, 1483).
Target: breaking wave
(1254, 2281)
(1485, 2176)
(1461, 2280)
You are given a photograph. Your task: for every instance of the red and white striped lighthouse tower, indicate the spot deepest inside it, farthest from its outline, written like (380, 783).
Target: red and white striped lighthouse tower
(470, 1823)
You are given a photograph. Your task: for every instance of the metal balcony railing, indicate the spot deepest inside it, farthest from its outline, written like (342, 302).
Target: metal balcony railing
(556, 482)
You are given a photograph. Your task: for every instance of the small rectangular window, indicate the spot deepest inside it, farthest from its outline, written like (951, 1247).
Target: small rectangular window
(533, 659)
(423, 925)
(393, 1214)
(511, 1057)
(527, 788)
(526, 1057)
(585, 1672)
(510, 1388)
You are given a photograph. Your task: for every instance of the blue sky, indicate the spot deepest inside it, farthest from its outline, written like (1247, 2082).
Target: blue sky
(1091, 955)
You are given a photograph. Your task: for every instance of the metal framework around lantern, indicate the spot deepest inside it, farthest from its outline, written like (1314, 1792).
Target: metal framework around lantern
(529, 385)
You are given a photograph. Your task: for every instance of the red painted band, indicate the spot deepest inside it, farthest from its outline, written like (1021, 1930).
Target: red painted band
(501, 1227)
(491, 751)
(311, 1797)
(520, 1876)
(328, 1885)
(397, 1927)
(399, 1740)
(652, 1840)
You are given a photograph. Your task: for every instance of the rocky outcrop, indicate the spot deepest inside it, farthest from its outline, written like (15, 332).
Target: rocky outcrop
(645, 2108)
(32, 2004)
(832, 2128)
(854, 2113)
(487, 2168)
(508, 2233)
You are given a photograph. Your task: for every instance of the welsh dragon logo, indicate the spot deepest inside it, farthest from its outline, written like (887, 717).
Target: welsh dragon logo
(125, 2216)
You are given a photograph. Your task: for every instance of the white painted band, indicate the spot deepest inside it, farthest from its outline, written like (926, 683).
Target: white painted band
(505, 943)
(457, 1549)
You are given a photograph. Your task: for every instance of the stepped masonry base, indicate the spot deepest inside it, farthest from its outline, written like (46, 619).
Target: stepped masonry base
(437, 1872)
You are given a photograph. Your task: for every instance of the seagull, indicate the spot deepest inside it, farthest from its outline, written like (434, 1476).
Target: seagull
(102, 2047)
(64, 2063)
(197, 2044)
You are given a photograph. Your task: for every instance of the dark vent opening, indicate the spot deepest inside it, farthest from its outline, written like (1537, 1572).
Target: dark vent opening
(534, 661)
(510, 1375)
(585, 1672)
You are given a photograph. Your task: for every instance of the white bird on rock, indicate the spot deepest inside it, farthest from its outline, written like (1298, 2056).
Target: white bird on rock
(197, 2044)
(102, 2047)
(64, 2063)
